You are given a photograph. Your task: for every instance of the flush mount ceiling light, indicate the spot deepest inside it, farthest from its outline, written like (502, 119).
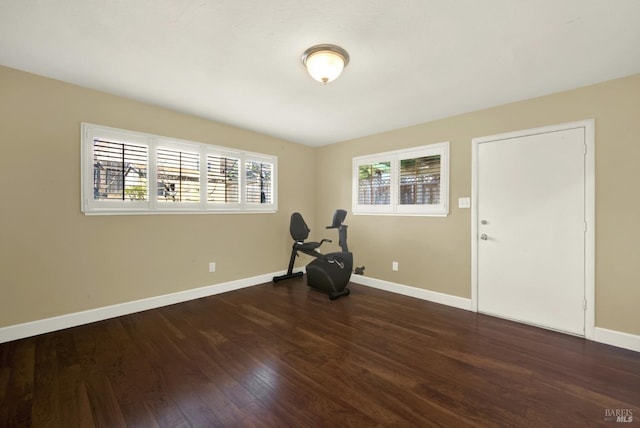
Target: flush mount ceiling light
(325, 62)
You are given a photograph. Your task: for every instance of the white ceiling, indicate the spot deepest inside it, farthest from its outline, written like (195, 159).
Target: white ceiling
(238, 61)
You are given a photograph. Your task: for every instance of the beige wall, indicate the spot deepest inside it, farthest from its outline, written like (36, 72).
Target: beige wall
(54, 260)
(435, 253)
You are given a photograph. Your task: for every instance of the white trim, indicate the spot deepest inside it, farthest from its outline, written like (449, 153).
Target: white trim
(617, 338)
(474, 225)
(589, 256)
(419, 293)
(590, 235)
(20, 331)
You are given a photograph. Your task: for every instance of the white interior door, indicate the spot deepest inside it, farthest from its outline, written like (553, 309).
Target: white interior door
(531, 229)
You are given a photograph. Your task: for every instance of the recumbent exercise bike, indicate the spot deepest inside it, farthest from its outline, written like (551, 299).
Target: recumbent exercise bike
(329, 272)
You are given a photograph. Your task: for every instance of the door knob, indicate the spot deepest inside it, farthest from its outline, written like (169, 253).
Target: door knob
(484, 222)
(484, 237)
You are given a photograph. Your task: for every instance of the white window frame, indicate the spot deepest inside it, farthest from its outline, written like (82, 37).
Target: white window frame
(395, 207)
(153, 204)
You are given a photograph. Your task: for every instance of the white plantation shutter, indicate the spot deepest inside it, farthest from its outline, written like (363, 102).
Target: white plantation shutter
(222, 179)
(178, 176)
(258, 187)
(420, 180)
(119, 170)
(374, 183)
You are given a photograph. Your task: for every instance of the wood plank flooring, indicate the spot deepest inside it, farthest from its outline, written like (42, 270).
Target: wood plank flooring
(286, 356)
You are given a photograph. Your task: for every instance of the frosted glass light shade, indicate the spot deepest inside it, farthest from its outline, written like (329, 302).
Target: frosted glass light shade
(325, 62)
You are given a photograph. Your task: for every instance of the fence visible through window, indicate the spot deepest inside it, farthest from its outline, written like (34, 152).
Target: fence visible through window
(412, 182)
(420, 180)
(374, 184)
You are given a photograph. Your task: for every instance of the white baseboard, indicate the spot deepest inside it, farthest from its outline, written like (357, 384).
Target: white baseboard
(28, 329)
(419, 293)
(617, 338)
(602, 335)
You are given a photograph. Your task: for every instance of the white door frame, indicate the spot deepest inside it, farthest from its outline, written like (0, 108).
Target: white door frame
(589, 256)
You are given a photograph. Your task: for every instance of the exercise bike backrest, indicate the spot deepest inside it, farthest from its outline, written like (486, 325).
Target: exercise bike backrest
(298, 228)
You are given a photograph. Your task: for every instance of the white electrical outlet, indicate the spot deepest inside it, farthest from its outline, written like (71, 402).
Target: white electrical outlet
(394, 266)
(212, 266)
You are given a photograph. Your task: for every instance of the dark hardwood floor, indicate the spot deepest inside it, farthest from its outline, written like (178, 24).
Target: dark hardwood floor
(286, 356)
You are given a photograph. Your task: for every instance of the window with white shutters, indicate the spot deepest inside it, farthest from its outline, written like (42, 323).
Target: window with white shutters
(126, 172)
(403, 182)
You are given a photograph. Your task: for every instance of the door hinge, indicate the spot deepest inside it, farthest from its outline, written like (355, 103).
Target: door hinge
(584, 304)
(585, 226)
(585, 149)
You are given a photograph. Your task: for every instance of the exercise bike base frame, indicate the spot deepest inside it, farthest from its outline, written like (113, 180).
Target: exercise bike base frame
(287, 276)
